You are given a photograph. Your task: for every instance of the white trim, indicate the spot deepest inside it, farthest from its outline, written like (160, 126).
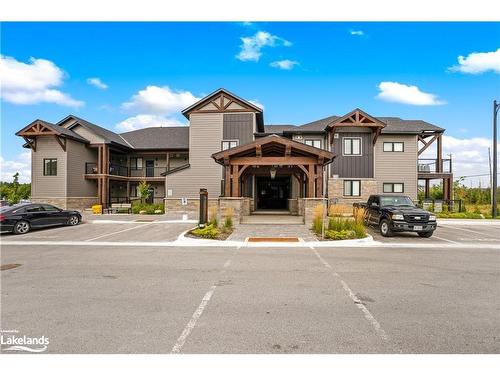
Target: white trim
(360, 146)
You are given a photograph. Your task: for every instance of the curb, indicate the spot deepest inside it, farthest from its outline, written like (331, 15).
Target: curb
(182, 240)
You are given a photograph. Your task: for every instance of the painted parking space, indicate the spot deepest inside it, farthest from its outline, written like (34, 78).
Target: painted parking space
(113, 232)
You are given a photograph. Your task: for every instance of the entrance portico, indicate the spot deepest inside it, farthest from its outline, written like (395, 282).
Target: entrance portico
(265, 169)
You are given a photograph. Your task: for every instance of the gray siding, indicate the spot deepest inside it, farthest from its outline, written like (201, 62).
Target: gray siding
(80, 130)
(48, 186)
(78, 154)
(205, 136)
(239, 126)
(397, 166)
(353, 166)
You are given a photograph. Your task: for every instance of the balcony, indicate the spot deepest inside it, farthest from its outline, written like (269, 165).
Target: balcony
(430, 168)
(122, 171)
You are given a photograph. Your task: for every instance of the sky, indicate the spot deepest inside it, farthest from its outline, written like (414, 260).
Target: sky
(125, 76)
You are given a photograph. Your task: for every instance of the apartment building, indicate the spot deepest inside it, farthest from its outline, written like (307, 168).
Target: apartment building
(230, 151)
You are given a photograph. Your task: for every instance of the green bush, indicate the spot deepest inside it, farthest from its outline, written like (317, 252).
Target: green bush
(342, 228)
(340, 235)
(208, 231)
(228, 223)
(148, 208)
(459, 215)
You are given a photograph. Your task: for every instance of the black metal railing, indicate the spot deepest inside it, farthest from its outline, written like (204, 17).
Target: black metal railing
(432, 166)
(442, 205)
(91, 168)
(118, 170)
(147, 171)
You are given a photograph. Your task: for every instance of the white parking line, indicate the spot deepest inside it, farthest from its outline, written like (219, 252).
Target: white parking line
(468, 230)
(199, 311)
(445, 239)
(120, 231)
(368, 315)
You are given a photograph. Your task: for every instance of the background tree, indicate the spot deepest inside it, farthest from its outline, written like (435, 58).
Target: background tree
(14, 191)
(144, 191)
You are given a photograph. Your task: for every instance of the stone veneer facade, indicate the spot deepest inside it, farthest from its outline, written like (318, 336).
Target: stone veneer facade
(69, 203)
(336, 190)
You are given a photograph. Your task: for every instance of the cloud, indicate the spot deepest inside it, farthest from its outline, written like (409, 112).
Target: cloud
(401, 93)
(160, 100)
(478, 62)
(20, 163)
(356, 32)
(257, 103)
(284, 64)
(97, 83)
(470, 157)
(251, 46)
(147, 121)
(34, 82)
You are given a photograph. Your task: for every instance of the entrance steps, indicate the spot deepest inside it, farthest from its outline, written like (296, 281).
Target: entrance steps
(272, 218)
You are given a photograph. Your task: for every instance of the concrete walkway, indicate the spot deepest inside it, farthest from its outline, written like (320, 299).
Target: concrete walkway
(278, 229)
(272, 219)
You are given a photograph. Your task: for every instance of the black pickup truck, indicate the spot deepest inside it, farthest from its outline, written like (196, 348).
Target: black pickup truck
(397, 213)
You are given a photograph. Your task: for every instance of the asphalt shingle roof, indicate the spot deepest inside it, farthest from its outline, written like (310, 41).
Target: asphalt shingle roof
(171, 137)
(393, 125)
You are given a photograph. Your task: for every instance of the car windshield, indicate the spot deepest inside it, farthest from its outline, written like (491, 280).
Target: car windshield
(398, 201)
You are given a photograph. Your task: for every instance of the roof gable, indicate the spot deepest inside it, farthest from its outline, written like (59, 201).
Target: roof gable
(357, 117)
(221, 100)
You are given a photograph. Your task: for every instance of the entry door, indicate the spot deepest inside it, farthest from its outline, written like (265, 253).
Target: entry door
(150, 168)
(273, 194)
(151, 196)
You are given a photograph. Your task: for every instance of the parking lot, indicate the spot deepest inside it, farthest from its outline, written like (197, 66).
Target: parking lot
(127, 288)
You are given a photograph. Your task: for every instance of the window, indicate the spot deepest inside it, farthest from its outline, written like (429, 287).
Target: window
(135, 163)
(394, 146)
(50, 208)
(50, 167)
(352, 146)
(352, 188)
(34, 208)
(313, 142)
(392, 187)
(229, 144)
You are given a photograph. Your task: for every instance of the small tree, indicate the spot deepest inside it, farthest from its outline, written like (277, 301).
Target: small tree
(13, 195)
(144, 191)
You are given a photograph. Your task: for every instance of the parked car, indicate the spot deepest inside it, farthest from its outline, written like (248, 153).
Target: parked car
(397, 213)
(23, 217)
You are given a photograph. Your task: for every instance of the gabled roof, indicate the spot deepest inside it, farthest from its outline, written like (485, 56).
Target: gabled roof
(270, 140)
(171, 137)
(222, 107)
(107, 135)
(57, 130)
(357, 117)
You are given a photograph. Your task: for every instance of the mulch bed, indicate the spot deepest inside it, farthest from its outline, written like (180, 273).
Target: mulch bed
(222, 236)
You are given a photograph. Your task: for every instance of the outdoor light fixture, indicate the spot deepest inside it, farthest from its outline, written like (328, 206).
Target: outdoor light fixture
(273, 172)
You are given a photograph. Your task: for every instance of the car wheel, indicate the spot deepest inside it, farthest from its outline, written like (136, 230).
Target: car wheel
(73, 220)
(22, 227)
(385, 228)
(425, 234)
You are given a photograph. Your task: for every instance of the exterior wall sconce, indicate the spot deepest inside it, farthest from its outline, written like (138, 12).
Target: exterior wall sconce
(273, 172)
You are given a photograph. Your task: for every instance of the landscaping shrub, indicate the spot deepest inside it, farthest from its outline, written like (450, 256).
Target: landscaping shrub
(341, 228)
(210, 231)
(228, 221)
(339, 210)
(148, 208)
(340, 235)
(460, 215)
(317, 224)
(212, 217)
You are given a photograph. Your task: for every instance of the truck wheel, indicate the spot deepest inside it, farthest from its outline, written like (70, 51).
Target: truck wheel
(385, 228)
(425, 234)
(22, 227)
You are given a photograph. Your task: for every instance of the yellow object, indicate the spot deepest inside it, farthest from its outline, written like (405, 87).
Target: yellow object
(97, 209)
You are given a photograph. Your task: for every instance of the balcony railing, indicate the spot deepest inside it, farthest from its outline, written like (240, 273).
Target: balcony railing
(147, 171)
(120, 170)
(431, 166)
